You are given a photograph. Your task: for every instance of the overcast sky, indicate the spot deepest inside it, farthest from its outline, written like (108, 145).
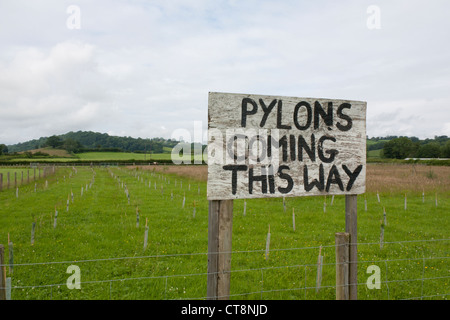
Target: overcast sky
(144, 68)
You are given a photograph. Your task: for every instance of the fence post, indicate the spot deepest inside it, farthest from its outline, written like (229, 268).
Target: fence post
(342, 240)
(351, 228)
(219, 249)
(2, 273)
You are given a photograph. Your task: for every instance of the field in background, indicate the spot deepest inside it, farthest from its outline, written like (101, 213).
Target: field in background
(97, 230)
(391, 178)
(52, 152)
(111, 156)
(93, 156)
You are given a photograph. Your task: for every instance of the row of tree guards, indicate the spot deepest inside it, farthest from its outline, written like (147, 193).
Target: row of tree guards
(45, 172)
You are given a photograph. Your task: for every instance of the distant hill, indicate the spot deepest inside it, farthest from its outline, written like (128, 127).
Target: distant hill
(394, 147)
(82, 141)
(85, 141)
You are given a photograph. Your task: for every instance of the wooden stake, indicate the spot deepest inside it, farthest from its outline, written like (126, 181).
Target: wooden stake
(351, 228)
(319, 270)
(405, 202)
(266, 257)
(342, 241)
(293, 219)
(220, 224)
(8, 288)
(137, 217)
(11, 255)
(2, 273)
(193, 215)
(56, 216)
(146, 234)
(33, 226)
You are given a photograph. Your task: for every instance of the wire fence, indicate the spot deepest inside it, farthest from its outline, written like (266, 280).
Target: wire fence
(410, 269)
(422, 276)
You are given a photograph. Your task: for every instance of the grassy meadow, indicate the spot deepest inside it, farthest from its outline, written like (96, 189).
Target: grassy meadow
(60, 155)
(98, 231)
(97, 156)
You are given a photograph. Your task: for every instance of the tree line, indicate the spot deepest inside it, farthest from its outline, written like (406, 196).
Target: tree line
(394, 147)
(84, 141)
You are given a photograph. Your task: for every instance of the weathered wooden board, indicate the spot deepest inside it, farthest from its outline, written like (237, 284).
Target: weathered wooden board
(273, 146)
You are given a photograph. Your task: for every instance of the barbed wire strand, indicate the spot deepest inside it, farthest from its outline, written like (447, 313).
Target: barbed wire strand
(217, 252)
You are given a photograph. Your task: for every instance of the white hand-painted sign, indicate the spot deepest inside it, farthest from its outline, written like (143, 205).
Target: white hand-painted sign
(274, 146)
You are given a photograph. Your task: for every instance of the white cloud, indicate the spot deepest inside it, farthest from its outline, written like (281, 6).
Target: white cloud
(44, 91)
(139, 68)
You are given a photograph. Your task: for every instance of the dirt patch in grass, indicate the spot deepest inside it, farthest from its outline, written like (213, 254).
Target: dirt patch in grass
(415, 178)
(194, 172)
(52, 152)
(379, 177)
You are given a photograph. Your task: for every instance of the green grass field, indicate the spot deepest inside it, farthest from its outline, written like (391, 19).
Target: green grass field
(374, 154)
(99, 234)
(106, 156)
(122, 156)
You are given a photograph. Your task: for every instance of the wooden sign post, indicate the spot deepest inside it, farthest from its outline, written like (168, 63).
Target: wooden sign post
(275, 146)
(351, 229)
(219, 249)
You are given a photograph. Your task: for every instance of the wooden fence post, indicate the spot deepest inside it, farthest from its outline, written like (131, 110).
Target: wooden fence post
(219, 249)
(342, 258)
(351, 228)
(2, 273)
